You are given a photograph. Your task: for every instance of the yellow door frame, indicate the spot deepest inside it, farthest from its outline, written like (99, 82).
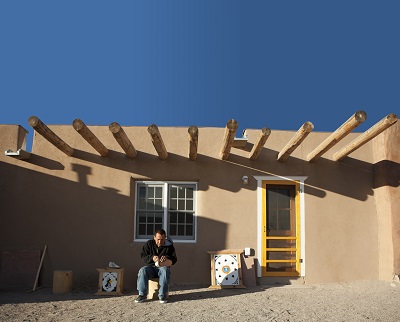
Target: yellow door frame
(298, 182)
(296, 238)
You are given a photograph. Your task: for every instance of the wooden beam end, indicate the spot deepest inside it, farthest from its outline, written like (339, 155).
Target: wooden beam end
(152, 129)
(114, 127)
(33, 121)
(392, 118)
(193, 130)
(232, 125)
(265, 131)
(78, 124)
(360, 116)
(308, 126)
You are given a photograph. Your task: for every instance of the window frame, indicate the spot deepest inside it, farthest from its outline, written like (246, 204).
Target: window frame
(165, 205)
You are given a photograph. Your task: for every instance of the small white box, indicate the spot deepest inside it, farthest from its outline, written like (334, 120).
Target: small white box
(247, 251)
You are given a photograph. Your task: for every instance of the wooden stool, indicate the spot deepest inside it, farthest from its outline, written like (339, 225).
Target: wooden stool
(153, 287)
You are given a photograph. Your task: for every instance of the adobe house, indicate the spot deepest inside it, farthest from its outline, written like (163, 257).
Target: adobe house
(311, 206)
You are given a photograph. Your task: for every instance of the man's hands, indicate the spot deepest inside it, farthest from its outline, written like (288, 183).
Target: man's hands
(162, 261)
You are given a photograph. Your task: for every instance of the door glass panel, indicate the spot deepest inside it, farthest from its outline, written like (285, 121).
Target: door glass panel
(280, 211)
(280, 223)
(284, 219)
(283, 199)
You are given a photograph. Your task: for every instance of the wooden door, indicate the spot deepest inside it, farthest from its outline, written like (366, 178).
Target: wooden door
(281, 230)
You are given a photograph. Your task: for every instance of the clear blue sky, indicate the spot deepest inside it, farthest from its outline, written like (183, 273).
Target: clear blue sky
(273, 64)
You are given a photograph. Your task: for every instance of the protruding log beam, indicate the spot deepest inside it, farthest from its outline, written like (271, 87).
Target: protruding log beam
(84, 131)
(348, 126)
(50, 136)
(122, 139)
(157, 141)
(256, 150)
(19, 154)
(193, 142)
(230, 131)
(296, 140)
(368, 135)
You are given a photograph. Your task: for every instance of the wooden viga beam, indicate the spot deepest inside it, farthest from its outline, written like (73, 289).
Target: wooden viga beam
(368, 135)
(84, 131)
(157, 141)
(193, 141)
(295, 141)
(263, 137)
(50, 136)
(122, 139)
(230, 131)
(348, 126)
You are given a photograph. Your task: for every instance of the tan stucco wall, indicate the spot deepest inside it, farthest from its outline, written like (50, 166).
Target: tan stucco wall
(82, 207)
(387, 200)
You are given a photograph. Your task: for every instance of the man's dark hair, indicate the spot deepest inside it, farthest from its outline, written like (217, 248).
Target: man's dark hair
(161, 232)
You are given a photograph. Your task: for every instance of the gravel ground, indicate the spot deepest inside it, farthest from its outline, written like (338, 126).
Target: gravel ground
(357, 301)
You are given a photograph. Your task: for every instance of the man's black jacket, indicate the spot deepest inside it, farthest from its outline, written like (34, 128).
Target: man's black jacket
(150, 249)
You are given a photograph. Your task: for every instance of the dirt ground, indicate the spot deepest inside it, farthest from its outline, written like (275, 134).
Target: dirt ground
(356, 301)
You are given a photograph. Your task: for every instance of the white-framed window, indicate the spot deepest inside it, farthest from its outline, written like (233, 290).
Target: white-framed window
(167, 205)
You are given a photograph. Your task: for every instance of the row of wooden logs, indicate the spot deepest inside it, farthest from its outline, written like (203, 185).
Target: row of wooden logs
(230, 131)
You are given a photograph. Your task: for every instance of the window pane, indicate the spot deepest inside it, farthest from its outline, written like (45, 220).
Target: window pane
(149, 229)
(181, 204)
(173, 192)
(158, 192)
(158, 219)
(173, 217)
(150, 192)
(181, 192)
(142, 192)
(189, 218)
(142, 229)
(189, 230)
(181, 230)
(142, 204)
(172, 230)
(158, 204)
(172, 204)
(189, 205)
(181, 218)
(189, 193)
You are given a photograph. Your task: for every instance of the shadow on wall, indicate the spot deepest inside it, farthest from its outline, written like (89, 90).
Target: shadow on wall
(323, 175)
(387, 173)
(85, 228)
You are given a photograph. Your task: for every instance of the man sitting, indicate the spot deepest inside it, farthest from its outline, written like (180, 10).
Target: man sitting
(158, 254)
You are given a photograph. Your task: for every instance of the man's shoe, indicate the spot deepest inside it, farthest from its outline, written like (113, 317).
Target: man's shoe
(163, 300)
(140, 299)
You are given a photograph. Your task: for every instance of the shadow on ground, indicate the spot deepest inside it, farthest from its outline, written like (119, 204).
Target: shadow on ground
(177, 294)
